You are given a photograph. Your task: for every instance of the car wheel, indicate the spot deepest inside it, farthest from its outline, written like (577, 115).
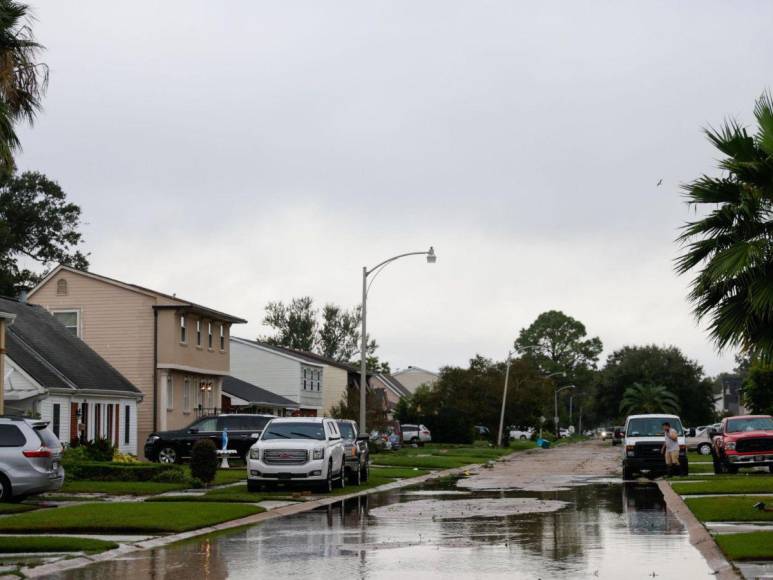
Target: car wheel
(627, 473)
(167, 455)
(5, 488)
(342, 476)
(704, 449)
(366, 471)
(327, 486)
(253, 485)
(770, 468)
(355, 476)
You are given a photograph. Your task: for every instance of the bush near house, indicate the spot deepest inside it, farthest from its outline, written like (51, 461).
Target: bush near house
(204, 461)
(108, 471)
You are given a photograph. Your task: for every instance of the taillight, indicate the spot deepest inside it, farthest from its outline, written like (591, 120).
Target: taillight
(42, 452)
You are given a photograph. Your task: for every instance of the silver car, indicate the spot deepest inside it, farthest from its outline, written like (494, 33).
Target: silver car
(30, 458)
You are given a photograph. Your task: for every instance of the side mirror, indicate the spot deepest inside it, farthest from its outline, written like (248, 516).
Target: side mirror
(193, 430)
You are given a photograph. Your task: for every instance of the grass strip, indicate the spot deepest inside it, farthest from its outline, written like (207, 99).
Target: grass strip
(731, 485)
(24, 544)
(16, 508)
(701, 467)
(126, 518)
(233, 475)
(120, 487)
(729, 509)
(747, 545)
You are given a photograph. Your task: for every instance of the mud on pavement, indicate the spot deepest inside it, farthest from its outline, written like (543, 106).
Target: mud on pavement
(554, 469)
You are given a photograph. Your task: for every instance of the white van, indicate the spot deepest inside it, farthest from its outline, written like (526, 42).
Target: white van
(643, 441)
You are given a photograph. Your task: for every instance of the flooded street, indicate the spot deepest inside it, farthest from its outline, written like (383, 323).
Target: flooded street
(596, 528)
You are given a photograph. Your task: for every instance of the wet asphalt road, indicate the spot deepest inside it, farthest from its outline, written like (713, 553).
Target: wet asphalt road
(586, 525)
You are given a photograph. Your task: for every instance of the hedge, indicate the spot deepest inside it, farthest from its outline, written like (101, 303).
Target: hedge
(106, 471)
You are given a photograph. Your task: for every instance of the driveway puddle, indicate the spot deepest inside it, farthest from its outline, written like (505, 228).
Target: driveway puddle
(466, 508)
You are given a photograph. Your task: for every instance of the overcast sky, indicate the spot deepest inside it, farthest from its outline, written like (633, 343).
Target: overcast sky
(241, 152)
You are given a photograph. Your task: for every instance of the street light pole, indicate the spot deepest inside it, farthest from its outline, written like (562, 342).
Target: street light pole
(555, 402)
(431, 259)
(504, 401)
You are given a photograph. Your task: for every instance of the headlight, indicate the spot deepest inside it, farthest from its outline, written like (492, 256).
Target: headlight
(255, 454)
(730, 445)
(318, 454)
(153, 438)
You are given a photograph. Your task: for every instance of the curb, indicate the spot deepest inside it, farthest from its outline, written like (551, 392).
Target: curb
(122, 551)
(699, 535)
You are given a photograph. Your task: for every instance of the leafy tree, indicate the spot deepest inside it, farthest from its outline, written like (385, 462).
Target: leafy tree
(295, 324)
(557, 343)
(648, 398)
(22, 79)
(37, 223)
(731, 245)
(758, 389)
(349, 407)
(654, 365)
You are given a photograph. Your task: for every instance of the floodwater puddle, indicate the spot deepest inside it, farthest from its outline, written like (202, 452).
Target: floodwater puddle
(598, 530)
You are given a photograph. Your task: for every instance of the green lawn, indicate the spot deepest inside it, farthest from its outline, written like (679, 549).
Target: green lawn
(747, 546)
(19, 544)
(729, 509)
(120, 487)
(731, 484)
(16, 508)
(232, 475)
(701, 467)
(126, 518)
(442, 456)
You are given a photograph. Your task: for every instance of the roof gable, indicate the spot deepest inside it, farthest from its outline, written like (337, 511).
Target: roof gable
(254, 394)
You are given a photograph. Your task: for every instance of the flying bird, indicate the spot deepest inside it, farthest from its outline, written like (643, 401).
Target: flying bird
(660, 182)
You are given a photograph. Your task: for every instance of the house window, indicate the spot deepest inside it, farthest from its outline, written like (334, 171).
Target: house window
(56, 422)
(70, 320)
(305, 373)
(317, 380)
(61, 287)
(209, 334)
(169, 393)
(222, 337)
(187, 394)
(183, 330)
(127, 411)
(198, 333)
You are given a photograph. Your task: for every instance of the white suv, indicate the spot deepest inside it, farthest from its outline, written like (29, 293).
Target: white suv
(297, 449)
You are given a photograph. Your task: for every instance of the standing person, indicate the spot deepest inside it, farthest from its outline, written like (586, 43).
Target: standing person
(670, 449)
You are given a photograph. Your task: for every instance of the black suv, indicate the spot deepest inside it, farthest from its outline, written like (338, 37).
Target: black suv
(173, 446)
(356, 454)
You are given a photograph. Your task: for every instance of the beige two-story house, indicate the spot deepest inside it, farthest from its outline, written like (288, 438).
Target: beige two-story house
(174, 351)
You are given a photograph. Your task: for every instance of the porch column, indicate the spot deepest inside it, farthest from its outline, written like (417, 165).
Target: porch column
(162, 378)
(217, 396)
(6, 320)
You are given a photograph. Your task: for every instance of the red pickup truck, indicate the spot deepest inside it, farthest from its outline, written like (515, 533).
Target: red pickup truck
(743, 441)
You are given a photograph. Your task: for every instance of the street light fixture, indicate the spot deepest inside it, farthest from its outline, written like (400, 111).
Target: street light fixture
(431, 259)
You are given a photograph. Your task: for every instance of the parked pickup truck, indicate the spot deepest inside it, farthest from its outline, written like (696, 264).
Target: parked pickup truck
(742, 441)
(306, 450)
(356, 453)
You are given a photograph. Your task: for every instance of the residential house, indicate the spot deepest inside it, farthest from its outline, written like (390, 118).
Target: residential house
(414, 377)
(52, 374)
(241, 396)
(176, 352)
(316, 383)
(6, 320)
(393, 391)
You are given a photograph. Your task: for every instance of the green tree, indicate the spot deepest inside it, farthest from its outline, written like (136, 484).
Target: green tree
(294, 324)
(648, 398)
(37, 224)
(758, 389)
(655, 365)
(731, 245)
(22, 78)
(349, 407)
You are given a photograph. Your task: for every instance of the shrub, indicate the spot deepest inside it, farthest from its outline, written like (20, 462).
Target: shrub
(104, 471)
(204, 460)
(99, 449)
(125, 458)
(75, 454)
(171, 476)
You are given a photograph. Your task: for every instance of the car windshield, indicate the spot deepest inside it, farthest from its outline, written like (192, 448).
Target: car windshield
(751, 424)
(346, 429)
(652, 426)
(294, 431)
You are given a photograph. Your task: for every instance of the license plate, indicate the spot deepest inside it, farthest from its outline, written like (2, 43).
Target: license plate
(759, 458)
(55, 466)
(285, 476)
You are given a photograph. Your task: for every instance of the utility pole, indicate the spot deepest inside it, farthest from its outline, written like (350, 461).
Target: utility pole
(504, 400)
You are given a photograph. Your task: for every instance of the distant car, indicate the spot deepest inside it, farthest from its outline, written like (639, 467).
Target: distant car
(564, 432)
(174, 446)
(743, 441)
(522, 434)
(418, 434)
(617, 435)
(699, 440)
(604, 433)
(482, 432)
(356, 454)
(30, 458)
(306, 450)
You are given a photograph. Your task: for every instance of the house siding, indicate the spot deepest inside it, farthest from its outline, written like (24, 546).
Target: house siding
(334, 386)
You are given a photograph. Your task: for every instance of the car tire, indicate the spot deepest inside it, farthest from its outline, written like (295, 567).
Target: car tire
(627, 473)
(770, 468)
(6, 492)
(342, 476)
(327, 485)
(704, 449)
(167, 455)
(355, 476)
(366, 472)
(253, 486)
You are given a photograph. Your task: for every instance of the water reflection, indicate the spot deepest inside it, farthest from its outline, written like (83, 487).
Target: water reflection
(606, 531)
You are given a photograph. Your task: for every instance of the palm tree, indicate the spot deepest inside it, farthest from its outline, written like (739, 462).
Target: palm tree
(648, 399)
(731, 245)
(23, 80)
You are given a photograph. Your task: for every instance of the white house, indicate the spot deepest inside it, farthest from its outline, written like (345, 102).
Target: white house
(413, 377)
(51, 373)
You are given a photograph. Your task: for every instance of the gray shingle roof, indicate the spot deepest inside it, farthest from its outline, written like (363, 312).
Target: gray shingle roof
(53, 356)
(304, 355)
(254, 394)
(399, 389)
